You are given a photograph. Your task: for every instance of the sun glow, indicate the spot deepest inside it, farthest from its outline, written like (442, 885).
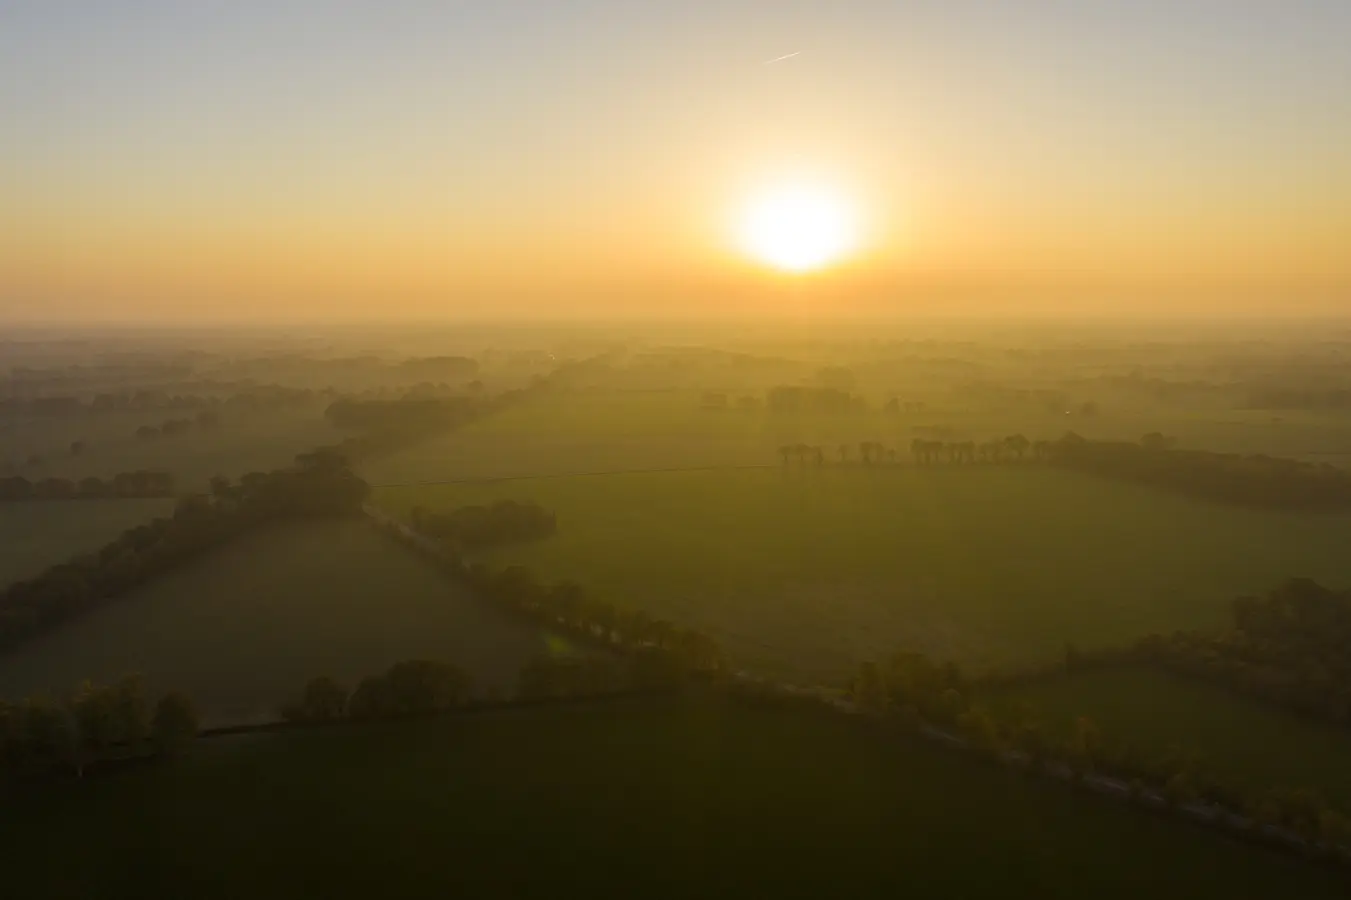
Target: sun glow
(798, 227)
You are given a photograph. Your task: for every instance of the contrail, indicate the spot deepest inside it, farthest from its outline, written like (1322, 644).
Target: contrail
(782, 58)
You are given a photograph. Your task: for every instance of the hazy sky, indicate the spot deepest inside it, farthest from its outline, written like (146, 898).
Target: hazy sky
(229, 159)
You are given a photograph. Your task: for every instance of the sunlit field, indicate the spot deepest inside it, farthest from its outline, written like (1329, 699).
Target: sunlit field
(38, 534)
(683, 798)
(807, 572)
(1245, 742)
(243, 629)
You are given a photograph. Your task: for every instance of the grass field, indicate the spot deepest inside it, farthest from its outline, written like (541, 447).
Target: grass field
(244, 442)
(243, 629)
(659, 799)
(39, 534)
(1243, 741)
(804, 573)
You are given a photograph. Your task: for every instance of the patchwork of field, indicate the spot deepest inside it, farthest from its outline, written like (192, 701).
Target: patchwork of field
(243, 442)
(803, 573)
(244, 628)
(1245, 742)
(38, 534)
(663, 798)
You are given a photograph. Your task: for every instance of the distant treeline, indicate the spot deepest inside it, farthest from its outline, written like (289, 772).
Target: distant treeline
(1155, 460)
(141, 483)
(385, 426)
(799, 399)
(1264, 481)
(252, 397)
(503, 522)
(319, 484)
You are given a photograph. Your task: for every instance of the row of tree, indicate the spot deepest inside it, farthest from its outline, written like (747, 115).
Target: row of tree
(242, 395)
(96, 723)
(911, 688)
(319, 483)
(206, 420)
(503, 522)
(1291, 647)
(141, 483)
(566, 607)
(1155, 459)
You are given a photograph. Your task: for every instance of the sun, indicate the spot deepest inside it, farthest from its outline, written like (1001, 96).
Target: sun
(798, 227)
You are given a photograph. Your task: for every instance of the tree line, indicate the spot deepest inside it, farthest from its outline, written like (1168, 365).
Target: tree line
(915, 691)
(1154, 460)
(95, 724)
(319, 483)
(566, 607)
(502, 522)
(1291, 647)
(142, 483)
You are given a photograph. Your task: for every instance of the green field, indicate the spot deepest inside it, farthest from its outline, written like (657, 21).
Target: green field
(804, 573)
(243, 629)
(655, 799)
(38, 534)
(244, 442)
(1242, 741)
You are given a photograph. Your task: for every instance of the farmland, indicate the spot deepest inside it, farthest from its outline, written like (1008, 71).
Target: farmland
(243, 442)
(1242, 741)
(35, 535)
(244, 628)
(683, 797)
(803, 573)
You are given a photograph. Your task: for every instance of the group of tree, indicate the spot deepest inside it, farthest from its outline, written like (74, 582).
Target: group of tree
(412, 687)
(1255, 480)
(318, 484)
(41, 735)
(804, 399)
(237, 395)
(923, 451)
(1291, 647)
(206, 419)
(503, 522)
(915, 690)
(141, 483)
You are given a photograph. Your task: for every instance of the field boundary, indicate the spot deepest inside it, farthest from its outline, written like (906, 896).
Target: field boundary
(491, 479)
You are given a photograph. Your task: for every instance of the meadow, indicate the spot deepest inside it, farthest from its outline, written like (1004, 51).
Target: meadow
(1242, 741)
(242, 629)
(803, 573)
(673, 798)
(35, 535)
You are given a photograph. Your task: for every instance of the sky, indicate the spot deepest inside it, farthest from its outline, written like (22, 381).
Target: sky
(221, 160)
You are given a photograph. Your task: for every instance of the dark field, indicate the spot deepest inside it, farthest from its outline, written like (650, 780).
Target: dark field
(244, 628)
(662, 799)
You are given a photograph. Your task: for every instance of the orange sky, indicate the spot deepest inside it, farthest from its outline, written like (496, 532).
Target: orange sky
(532, 160)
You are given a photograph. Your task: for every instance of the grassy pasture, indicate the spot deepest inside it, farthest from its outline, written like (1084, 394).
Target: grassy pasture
(655, 799)
(38, 534)
(804, 573)
(244, 442)
(243, 629)
(1244, 741)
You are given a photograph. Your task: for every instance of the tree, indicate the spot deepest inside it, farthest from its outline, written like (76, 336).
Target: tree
(1018, 444)
(175, 724)
(77, 448)
(324, 700)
